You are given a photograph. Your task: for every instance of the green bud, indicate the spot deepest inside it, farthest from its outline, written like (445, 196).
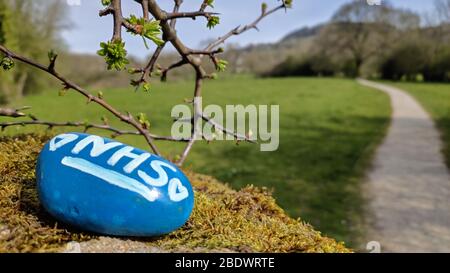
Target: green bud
(132, 71)
(288, 3)
(213, 21)
(106, 2)
(7, 63)
(214, 76)
(157, 73)
(146, 87)
(221, 65)
(147, 29)
(52, 55)
(143, 120)
(105, 120)
(263, 8)
(62, 92)
(115, 54)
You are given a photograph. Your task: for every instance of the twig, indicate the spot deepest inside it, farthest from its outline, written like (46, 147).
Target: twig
(193, 15)
(227, 131)
(168, 21)
(239, 30)
(14, 113)
(172, 66)
(70, 85)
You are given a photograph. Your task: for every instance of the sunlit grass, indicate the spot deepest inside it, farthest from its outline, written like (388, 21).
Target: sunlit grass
(328, 129)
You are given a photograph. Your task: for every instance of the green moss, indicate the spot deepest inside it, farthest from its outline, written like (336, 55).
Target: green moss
(248, 220)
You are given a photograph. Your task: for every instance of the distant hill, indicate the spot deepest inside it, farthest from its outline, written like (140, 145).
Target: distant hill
(90, 70)
(260, 58)
(305, 32)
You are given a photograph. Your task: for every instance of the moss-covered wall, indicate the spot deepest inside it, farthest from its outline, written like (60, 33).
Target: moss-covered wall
(248, 220)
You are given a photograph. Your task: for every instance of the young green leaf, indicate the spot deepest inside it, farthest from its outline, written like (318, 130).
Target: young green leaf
(115, 54)
(143, 120)
(146, 87)
(221, 65)
(210, 3)
(147, 29)
(213, 21)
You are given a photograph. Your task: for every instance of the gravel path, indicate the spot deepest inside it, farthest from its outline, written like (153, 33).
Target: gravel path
(409, 186)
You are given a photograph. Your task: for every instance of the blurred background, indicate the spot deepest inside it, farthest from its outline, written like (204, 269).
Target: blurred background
(304, 59)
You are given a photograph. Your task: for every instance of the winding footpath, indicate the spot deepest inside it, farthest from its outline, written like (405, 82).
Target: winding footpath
(409, 185)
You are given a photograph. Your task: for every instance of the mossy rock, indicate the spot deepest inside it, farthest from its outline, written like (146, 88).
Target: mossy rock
(223, 220)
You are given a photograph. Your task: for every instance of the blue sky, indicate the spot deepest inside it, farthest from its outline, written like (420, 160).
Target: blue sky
(89, 30)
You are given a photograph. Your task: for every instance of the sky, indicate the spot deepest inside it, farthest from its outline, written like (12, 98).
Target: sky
(88, 29)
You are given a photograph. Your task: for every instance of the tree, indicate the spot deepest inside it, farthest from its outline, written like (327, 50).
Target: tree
(443, 10)
(312, 65)
(437, 68)
(406, 61)
(359, 31)
(30, 27)
(158, 27)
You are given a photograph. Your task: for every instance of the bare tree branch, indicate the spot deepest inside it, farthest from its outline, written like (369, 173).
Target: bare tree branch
(227, 131)
(192, 57)
(192, 15)
(15, 113)
(118, 19)
(172, 66)
(176, 8)
(70, 85)
(239, 30)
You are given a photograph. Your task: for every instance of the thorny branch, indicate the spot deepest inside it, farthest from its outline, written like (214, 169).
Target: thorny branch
(167, 21)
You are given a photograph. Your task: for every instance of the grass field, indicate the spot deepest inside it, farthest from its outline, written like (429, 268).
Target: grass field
(435, 98)
(328, 129)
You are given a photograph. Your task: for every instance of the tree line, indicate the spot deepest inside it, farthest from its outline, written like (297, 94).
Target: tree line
(378, 42)
(33, 28)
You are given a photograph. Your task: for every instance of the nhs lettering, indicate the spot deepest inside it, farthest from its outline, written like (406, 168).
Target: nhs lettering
(105, 186)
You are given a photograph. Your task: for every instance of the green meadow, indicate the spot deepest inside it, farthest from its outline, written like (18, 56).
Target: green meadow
(328, 131)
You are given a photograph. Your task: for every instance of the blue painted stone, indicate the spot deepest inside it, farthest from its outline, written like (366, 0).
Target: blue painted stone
(104, 186)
